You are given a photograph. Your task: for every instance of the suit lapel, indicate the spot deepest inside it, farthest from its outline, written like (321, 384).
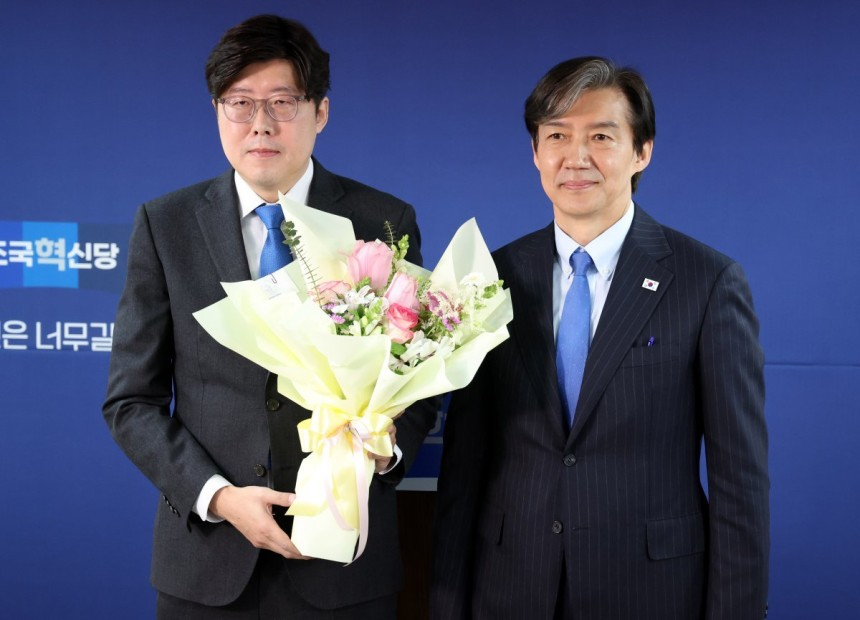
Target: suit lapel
(218, 217)
(326, 192)
(532, 329)
(626, 311)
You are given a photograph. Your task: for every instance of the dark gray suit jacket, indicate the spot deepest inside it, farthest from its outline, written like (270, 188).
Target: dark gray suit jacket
(184, 408)
(615, 505)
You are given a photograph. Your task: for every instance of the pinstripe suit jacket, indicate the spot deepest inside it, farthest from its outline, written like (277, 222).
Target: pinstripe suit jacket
(227, 417)
(615, 505)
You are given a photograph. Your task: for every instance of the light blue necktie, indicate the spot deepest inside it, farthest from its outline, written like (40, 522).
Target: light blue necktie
(275, 252)
(574, 333)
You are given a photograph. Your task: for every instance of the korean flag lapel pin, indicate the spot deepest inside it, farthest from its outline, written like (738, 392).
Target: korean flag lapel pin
(650, 284)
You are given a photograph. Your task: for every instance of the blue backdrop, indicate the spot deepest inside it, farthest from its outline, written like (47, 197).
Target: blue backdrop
(105, 106)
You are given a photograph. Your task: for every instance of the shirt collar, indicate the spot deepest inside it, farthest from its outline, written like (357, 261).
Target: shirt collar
(249, 200)
(604, 249)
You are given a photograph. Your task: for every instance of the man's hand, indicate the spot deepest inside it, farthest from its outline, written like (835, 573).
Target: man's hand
(249, 510)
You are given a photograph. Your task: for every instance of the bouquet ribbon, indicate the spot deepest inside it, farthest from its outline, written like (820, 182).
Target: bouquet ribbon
(342, 442)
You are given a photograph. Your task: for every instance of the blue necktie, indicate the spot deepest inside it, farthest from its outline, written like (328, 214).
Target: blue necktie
(574, 333)
(275, 252)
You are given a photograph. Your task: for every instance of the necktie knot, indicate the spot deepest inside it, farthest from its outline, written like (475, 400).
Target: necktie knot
(272, 215)
(580, 261)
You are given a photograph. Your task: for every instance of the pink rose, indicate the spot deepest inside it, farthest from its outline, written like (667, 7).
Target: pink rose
(370, 260)
(329, 291)
(403, 291)
(401, 320)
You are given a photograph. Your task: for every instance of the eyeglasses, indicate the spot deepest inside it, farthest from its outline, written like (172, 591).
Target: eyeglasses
(241, 109)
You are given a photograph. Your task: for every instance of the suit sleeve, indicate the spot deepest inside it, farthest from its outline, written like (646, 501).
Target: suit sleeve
(731, 374)
(137, 407)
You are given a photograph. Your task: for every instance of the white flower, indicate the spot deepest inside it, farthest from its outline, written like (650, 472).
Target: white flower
(362, 297)
(446, 347)
(418, 349)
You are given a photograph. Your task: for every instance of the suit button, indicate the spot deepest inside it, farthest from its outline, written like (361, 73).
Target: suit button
(569, 460)
(556, 527)
(259, 470)
(273, 404)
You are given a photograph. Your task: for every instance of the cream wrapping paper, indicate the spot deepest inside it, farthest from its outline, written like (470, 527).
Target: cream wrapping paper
(345, 381)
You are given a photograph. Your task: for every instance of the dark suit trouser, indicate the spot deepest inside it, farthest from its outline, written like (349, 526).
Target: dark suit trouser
(269, 595)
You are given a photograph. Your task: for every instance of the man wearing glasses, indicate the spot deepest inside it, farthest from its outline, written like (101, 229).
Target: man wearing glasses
(208, 427)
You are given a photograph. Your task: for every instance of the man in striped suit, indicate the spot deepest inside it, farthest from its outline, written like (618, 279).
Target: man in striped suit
(591, 507)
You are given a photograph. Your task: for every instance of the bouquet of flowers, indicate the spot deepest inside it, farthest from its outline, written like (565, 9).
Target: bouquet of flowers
(356, 334)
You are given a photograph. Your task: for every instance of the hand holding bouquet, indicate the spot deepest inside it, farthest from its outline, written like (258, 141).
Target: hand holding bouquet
(356, 334)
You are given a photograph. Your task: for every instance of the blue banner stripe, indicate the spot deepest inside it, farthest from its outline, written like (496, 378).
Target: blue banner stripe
(50, 244)
(63, 255)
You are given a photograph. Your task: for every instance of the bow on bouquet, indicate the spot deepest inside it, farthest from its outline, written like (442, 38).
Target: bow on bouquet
(356, 334)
